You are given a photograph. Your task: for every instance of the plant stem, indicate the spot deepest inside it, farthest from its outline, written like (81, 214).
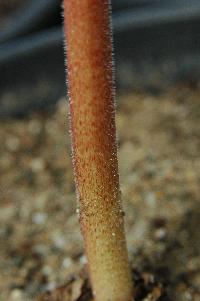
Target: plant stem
(93, 133)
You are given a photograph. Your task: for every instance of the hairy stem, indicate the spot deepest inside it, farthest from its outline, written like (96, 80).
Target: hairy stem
(92, 119)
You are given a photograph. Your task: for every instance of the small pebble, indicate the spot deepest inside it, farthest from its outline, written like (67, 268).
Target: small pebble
(188, 296)
(46, 270)
(16, 295)
(12, 143)
(83, 259)
(67, 262)
(37, 164)
(41, 249)
(150, 198)
(59, 241)
(50, 286)
(39, 218)
(160, 234)
(35, 126)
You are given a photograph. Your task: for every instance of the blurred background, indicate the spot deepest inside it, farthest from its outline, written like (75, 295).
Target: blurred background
(157, 60)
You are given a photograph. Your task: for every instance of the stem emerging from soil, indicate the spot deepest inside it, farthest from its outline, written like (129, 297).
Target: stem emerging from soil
(92, 118)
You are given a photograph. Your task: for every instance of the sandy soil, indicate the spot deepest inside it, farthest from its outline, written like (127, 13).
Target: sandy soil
(159, 160)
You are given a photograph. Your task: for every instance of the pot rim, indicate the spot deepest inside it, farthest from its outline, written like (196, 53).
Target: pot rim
(27, 18)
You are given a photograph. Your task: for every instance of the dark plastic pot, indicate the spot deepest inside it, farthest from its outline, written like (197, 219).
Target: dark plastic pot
(153, 49)
(124, 4)
(35, 14)
(159, 13)
(33, 73)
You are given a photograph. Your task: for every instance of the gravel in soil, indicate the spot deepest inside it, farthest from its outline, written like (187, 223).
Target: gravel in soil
(159, 147)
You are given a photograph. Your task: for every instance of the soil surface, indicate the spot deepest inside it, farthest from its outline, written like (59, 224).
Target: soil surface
(159, 160)
(7, 9)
